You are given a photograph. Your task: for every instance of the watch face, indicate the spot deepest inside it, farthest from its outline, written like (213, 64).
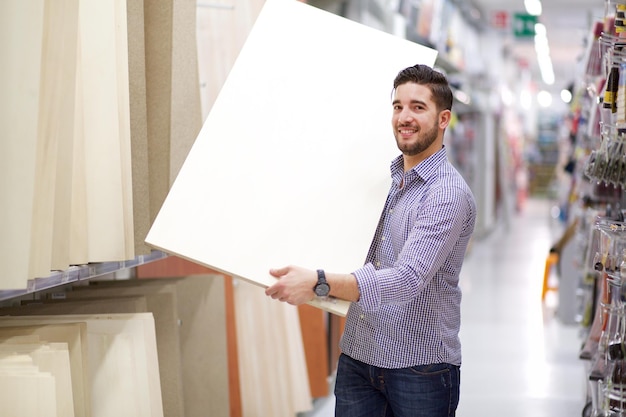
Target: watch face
(322, 289)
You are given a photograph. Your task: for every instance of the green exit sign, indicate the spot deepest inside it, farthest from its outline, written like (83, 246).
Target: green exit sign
(524, 25)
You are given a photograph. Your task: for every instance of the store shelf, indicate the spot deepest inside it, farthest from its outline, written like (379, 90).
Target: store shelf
(79, 273)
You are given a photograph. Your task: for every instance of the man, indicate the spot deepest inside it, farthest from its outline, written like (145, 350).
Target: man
(401, 353)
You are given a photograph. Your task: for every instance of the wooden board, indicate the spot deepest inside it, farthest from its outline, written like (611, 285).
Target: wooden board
(300, 182)
(78, 239)
(185, 110)
(201, 334)
(54, 359)
(24, 390)
(56, 131)
(21, 30)
(314, 329)
(104, 81)
(161, 302)
(172, 91)
(173, 266)
(75, 335)
(123, 364)
(138, 124)
(267, 330)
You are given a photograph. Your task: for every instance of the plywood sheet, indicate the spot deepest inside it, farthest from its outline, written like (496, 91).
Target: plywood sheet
(172, 90)
(158, 49)
(128, 304)
(202, 335)
(104, 75)
(123, 364)
(138, 124)
(314, 329)
(72, 334)
(303, 180)
(56, 129)
(78, 238)
(54, 359)
(204, 346)
(24, 390)
(161, 302)
(21, 31)
(185, 110)
(273, 333)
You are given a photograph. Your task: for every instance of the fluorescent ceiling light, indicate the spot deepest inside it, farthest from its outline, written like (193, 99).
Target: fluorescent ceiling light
(544, 99)
(533, 7)
(566, 96)
(507, 96)
(543, 54)
(525, 99)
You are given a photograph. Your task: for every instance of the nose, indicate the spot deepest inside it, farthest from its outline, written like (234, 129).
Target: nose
(405, 116)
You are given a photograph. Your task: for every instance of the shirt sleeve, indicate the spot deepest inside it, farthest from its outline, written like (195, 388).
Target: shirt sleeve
(437, 231)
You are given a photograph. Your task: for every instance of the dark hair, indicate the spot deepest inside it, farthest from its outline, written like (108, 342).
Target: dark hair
(433, 79)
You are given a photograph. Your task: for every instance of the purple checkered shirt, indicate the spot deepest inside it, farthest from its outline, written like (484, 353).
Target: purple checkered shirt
(409, 310)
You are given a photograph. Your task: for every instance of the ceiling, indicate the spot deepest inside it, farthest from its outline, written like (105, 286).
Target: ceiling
(568, 24)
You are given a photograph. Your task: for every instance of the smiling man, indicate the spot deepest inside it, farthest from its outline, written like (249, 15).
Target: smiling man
(401, 353)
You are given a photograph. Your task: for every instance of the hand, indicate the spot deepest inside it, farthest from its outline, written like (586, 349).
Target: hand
(294, 285)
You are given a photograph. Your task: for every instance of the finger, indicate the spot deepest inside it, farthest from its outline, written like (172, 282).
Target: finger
(270, 291)
(279, 272)
(275, 295)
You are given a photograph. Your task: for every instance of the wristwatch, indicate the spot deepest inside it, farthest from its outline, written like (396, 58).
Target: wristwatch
(321, 289)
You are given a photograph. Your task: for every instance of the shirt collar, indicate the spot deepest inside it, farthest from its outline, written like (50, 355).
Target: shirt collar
(423, 170)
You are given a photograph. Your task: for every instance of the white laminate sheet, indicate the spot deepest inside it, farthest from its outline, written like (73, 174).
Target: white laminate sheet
(292, 163)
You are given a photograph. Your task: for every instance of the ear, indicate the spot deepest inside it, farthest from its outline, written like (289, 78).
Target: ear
(444, 118)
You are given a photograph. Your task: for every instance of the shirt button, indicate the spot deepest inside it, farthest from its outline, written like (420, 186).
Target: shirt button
(390, 210)
(377, 263)
(362, 316)
(382, 238)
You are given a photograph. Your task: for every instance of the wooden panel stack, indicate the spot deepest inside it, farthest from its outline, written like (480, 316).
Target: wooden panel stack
(92, 138)
(119, 356)
(188, 340)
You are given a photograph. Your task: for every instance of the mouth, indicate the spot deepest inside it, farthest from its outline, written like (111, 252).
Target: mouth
(406, 132)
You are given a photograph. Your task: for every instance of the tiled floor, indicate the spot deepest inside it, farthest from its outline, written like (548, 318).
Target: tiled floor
(519, 360)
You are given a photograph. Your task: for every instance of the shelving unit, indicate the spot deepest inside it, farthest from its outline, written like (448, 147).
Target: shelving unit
(598, 206)
(78, 273)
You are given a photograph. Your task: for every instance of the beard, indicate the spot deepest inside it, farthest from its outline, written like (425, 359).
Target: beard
(423, 142)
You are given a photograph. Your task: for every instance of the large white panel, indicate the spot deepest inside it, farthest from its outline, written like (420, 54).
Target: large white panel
(292, 163)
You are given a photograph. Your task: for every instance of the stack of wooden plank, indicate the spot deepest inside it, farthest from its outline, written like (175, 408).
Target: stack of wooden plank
(117, 365)
(131, 348)
(100, 104)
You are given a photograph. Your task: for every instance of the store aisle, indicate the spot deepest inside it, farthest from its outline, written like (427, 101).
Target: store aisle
(518, 359)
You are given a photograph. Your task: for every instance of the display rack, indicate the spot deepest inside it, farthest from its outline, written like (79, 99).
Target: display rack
(599, 180)
(79, 273)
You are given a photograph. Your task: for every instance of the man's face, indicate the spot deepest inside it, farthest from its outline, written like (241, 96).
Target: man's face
(415, 119)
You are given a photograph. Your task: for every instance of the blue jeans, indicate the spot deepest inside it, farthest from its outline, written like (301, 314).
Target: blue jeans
(362, 390)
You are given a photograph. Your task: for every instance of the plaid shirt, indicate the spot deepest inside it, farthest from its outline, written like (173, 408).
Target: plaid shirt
(409, 310)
